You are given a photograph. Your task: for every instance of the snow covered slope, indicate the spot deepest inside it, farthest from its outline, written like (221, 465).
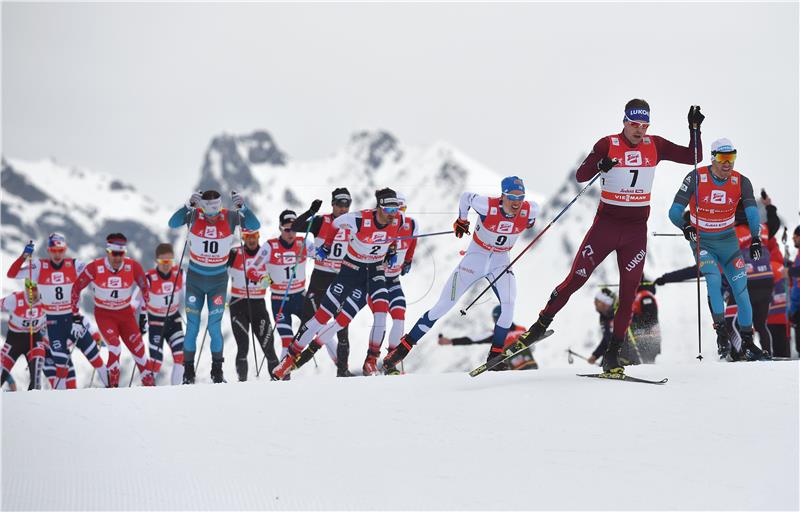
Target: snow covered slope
(716, 437)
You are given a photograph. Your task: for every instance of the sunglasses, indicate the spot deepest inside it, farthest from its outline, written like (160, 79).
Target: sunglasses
(725, 157)
(57, 250)
(287, 230)
(116, 253)
(168, 261)
(637, 124)
(390, 209)
(515, 197)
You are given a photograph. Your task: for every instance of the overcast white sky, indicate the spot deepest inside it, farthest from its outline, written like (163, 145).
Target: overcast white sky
(139, 90)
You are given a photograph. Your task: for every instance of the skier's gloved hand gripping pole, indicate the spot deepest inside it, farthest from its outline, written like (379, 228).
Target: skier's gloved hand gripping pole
(286, 293)
(542, 232)
(238, 203)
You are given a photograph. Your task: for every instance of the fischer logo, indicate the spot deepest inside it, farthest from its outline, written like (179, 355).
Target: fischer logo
(636, 260)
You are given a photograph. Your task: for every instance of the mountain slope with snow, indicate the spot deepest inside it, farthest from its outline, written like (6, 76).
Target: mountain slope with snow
(716, 437)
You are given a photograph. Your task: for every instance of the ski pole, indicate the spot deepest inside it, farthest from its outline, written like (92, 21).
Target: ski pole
(645, 283)
(250, 326)
(571, 353)
(654, 233)
(542, 232)
(200, 353)
(423, 235)
(292, 275)
(697, 243)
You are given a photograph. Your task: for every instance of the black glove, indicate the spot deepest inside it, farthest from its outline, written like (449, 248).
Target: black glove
(461, 227)
(755, 249)
(606, 164)
(406, 268)
(695, 117)
(315, 206)
(660, 281)
(142, 323)
(690, 233)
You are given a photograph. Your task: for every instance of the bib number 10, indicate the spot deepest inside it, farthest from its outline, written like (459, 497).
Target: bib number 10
(210, 246)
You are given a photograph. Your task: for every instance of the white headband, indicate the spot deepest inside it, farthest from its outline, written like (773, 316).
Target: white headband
(605, 299)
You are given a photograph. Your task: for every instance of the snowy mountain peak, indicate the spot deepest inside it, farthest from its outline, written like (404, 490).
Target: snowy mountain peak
(229, 160)
(374, 148)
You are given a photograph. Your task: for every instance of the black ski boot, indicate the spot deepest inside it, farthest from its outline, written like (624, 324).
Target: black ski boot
(306, 355)
(241, 369)
(611, 363)
(342, 358)
(496, 355)
(751, 351)
(723, 340)
(534, 333)
(394, 357)
(188, 372)
(216, 371)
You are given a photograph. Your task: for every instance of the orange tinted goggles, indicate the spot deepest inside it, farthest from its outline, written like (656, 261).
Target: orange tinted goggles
(165, 261)
(725, 157)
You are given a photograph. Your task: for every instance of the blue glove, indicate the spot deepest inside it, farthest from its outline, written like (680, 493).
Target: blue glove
(406, 268)
(323, 251)
(392, 260)
(28, 249)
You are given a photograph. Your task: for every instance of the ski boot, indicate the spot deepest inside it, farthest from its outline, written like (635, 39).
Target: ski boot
(342, 358)
(723, 340)
(534, 333)
(495, 355)
(188, 372)
(611, 363)
(394, 357)
(241, 369)
(148, 379)
(281, 372)
(751, 351)
(216, 371)
(370, 367)
(113, 377)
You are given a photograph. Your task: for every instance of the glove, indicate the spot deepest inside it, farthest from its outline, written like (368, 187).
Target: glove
(28, 250)
(461, 227)
(194, 200)
(695, 117)
(323, 251)
(606, 164)
(406, 268)
(238, 200)
(660, 281)
(690, 233)
(142, 323)
(315, 205)
(77, 330)
(755, 249)
(795, 317)
(391, 256)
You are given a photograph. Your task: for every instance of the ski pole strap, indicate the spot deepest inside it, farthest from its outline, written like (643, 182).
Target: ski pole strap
(542, 232)
(450, 232)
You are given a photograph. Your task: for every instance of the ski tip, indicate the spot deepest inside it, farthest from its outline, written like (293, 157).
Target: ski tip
(463, 313)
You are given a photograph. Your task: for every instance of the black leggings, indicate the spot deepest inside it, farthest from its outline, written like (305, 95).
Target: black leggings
(260, 324)
(760, 296)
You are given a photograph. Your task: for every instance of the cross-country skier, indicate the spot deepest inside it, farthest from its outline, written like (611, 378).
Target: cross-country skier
(501, 222)
(24, 336)
(712, 209)
(113, 278)
(627, 162)
(397, 299)
(163, 324)
(325, 270)
(49, 368)
(372, 233)
(281, 263)
(55, 277)
(241, 310)
(211, 235)
(522, 361)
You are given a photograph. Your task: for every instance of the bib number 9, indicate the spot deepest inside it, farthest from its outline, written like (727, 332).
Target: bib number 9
(501, 240)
